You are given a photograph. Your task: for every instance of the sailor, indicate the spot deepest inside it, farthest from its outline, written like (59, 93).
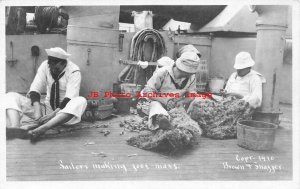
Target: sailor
(177, 78)
(245, 82)
(62, 105)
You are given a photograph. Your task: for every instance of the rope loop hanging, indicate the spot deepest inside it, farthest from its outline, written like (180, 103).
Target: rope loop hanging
(134, 73)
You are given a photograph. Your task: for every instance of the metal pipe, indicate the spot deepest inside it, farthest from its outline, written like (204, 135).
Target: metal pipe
(271, 28)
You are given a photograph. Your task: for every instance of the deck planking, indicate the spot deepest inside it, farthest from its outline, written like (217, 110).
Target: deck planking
(41, 161)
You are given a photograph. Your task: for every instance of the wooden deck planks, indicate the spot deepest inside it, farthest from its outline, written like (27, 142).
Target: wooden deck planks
(204, 162)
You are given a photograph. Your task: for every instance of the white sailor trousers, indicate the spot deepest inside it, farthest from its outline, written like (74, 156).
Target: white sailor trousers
(76, 107)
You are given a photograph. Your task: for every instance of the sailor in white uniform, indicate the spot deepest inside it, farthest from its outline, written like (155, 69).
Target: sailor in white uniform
(62, 104)
(246, 82)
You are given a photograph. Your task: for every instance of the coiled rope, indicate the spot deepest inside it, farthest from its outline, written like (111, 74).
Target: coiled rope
(134, 73)
(46, 18)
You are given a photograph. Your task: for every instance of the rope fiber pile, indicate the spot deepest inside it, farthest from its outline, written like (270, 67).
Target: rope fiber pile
(218, 119)
(185, 133)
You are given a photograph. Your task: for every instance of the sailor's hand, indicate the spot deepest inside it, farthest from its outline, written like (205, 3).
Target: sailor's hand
(143, 64)
(180, 103)
(217, 98)
(46, 118)
(184, 102)
(223, 92)
(171, 104)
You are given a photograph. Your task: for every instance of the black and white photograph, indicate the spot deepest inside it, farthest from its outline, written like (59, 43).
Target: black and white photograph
(157, 91)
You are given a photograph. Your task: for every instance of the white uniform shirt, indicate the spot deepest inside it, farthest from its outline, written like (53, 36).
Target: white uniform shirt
(161, 82)
(249, 86)
(69, 83)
